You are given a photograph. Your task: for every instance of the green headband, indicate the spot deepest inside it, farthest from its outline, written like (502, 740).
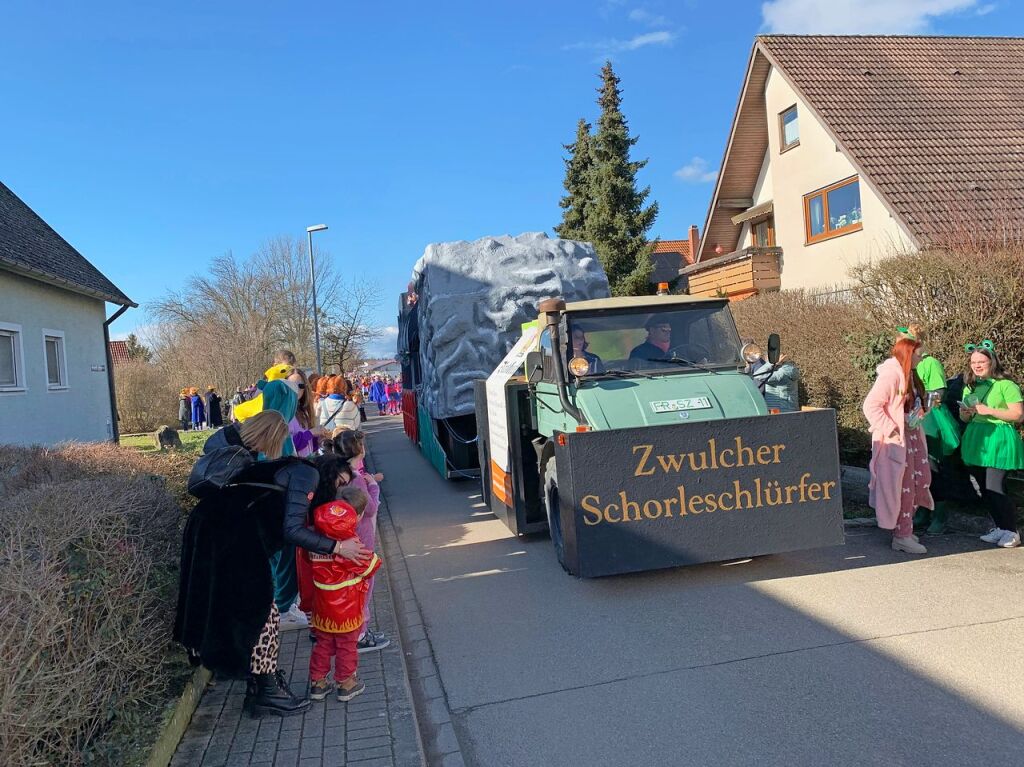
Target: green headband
(985, 345)
(906, 332)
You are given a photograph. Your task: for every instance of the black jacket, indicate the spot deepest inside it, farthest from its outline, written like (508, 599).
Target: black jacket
(648, 351)
(226, 586)
(214, 416)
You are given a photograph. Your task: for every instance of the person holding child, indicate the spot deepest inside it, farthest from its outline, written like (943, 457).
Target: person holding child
(341, 589)
(992, 406)
(900, 473)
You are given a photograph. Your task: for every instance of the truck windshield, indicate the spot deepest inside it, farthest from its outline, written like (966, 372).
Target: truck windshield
(670, 339)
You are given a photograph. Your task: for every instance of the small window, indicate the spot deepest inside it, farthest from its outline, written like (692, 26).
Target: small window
(789, 128)
(12, 377)
(833, 211)
(762, 234)
(56, 362)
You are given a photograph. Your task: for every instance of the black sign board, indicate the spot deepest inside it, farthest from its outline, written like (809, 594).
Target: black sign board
(647, 498)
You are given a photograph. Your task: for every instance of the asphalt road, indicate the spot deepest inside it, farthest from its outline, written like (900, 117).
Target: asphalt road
(852, 655)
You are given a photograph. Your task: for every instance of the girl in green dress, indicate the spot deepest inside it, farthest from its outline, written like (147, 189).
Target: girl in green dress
(942, 432)
(992, 405)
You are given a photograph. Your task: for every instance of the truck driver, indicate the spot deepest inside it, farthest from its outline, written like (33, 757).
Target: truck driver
(659, 340)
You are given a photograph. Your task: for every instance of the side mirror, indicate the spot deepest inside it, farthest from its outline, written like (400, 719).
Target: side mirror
(534, 367)
(774, 348)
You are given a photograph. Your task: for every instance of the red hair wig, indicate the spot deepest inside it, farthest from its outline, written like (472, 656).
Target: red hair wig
(903, 352)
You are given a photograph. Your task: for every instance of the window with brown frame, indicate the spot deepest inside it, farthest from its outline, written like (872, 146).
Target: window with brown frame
(789, 129)
(833, 211)
(762, 233)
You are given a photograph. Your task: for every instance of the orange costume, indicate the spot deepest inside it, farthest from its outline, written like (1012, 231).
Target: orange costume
(340, 585)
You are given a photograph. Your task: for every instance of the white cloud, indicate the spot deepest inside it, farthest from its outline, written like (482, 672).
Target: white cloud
(696, 171)
(643, 16)
(614, 45)
(986, 9)
(857, 17)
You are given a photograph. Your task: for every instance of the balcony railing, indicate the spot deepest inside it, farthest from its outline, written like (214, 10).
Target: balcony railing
(737, 275)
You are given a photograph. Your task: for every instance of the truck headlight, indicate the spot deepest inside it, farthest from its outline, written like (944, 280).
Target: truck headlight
(579, 366)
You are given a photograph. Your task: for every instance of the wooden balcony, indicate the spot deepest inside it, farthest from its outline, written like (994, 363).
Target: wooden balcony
(737, 275)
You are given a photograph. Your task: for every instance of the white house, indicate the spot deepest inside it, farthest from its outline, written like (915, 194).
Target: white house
(55, 371)
(843, 149)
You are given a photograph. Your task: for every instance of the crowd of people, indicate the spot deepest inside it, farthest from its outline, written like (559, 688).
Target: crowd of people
(921, 421)
(197, 412)
(286, 540)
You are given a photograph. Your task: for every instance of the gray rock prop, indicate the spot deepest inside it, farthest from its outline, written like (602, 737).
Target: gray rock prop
(473, 298)
(166, 438)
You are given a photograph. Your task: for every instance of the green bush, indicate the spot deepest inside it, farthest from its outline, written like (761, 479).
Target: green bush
(89, 543)
(825, 337)
(960, 295)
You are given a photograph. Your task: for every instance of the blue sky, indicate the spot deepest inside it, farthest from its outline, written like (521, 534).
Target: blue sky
(157, 136)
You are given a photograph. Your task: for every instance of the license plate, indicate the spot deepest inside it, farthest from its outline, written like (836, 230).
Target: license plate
(673, 405)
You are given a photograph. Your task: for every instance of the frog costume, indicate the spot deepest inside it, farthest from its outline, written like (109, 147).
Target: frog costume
(988, 441)
(940, 427)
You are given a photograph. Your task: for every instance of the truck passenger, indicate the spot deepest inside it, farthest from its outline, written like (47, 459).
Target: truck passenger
(579, 349)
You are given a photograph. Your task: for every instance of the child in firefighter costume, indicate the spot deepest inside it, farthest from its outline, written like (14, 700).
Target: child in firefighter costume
(339, 597)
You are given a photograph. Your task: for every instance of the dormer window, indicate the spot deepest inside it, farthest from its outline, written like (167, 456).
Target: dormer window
(789, 129)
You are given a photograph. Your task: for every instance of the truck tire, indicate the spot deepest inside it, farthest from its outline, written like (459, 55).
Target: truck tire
(551, 507)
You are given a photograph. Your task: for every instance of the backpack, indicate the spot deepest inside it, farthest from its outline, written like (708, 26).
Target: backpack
(215, 470)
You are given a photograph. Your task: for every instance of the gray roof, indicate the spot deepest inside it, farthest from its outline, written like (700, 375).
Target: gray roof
(28, 246)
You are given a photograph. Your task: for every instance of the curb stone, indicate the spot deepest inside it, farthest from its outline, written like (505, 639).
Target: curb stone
(174, 729)
(441, 745)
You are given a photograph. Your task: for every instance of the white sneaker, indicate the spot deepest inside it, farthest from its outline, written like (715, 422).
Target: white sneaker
(994, 535)
(294, 619)
(1010, 540)
(909, 545)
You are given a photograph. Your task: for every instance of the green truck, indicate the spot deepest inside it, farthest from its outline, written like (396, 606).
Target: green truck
(631, 433)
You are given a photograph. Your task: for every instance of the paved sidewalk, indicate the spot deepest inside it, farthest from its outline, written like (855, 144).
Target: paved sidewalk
(377, 729)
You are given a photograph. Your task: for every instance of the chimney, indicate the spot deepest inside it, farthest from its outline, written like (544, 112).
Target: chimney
(694, 242)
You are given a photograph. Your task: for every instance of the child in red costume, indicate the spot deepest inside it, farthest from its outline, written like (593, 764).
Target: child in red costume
(338, 599)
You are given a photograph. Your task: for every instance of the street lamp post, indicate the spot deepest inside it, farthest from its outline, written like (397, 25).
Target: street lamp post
(312, 279)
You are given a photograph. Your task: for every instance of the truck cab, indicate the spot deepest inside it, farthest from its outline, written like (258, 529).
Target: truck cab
(640, 361)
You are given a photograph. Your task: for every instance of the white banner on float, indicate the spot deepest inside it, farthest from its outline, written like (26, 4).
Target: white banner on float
(497, 412)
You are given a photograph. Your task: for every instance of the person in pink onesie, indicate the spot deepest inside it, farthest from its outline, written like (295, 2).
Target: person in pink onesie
(900, 473)
(352, 446)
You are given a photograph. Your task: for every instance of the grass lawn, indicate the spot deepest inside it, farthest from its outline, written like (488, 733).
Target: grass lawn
(191, 441)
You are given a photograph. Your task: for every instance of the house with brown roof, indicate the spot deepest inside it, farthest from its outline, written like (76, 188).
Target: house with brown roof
(845, 149)
(670, 257)
(56, 373)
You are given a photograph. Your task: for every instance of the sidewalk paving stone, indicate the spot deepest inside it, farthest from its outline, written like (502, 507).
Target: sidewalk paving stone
(372, 730)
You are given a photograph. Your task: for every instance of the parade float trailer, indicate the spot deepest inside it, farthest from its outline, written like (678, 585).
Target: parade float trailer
(631, 461)
(465, 307)
(644, 461)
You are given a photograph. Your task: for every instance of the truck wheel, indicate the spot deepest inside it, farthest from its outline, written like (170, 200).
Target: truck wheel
(551, 507)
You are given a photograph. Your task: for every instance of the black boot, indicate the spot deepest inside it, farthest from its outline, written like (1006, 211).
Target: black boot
(270, 694)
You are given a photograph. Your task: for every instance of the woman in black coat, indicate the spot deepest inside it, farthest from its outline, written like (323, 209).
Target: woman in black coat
(226, 615)
(214, 415)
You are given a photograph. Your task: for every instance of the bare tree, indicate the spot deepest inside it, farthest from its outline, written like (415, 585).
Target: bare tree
(222, 328)
(285, 261)
(347, 330)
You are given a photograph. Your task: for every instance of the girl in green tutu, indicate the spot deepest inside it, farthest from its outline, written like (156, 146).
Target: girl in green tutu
(992, 405)
(941, 430)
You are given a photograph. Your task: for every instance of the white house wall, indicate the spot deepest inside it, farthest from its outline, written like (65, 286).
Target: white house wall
(39, 415)
(812, 165)
(762, 193)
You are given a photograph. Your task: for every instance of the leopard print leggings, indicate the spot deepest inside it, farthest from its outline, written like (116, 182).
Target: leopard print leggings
(264, 653)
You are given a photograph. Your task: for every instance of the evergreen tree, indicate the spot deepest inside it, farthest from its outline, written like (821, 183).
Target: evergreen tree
(616, 219)
(136, 349)
(576, 202)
